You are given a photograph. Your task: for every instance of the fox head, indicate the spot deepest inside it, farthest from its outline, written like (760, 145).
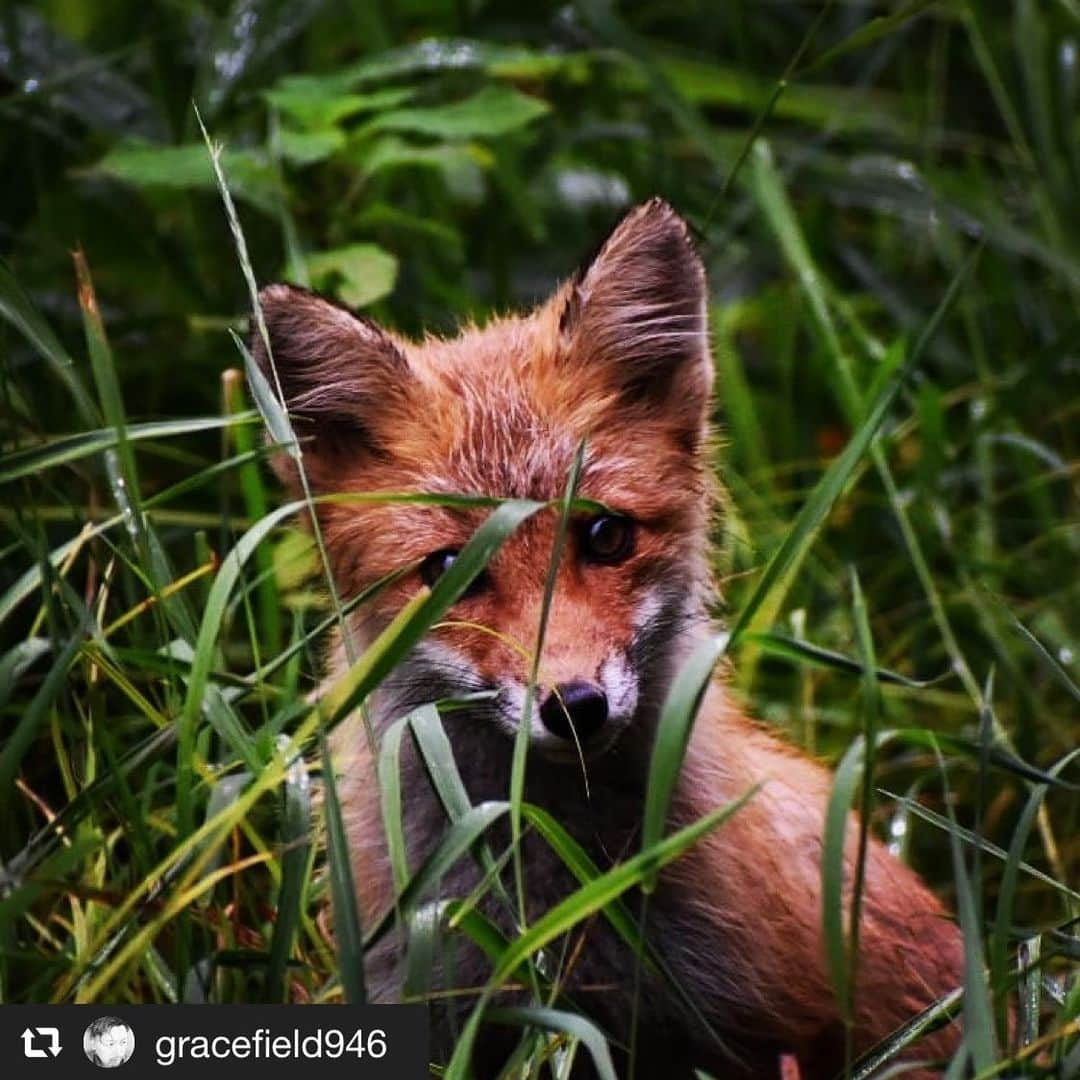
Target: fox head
(618, 358)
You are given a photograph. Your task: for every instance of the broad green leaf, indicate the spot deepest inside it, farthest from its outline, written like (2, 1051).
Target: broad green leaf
(461, 165)
(431, 55)
(358, 274)
(310, 104)
(487, 114)
(188, 167)
(308, 147)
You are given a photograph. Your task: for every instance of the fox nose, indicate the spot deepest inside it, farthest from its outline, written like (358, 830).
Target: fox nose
(582, 704)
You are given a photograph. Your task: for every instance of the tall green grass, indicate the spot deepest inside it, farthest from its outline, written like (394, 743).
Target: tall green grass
(885, 196)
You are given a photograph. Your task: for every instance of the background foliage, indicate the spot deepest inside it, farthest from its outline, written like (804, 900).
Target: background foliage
(433, 162)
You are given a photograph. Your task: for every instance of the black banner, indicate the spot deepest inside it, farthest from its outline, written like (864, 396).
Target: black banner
(300, 1042)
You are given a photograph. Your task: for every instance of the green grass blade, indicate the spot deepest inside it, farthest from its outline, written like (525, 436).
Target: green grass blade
(126, 485)
(871, 705)
(673, 736)
(33, 459)
(389, 773)
(813, 512)
(348, 929)
(577, 1027)
(837, 813)
(876, 29)
(798, 650)
(204, 654)
(22, 735)
(933, 1017)
(296, 844)
(458, 840)
(586, 901)
(979, 1038)
(997, 948)
(425, 610)
(18, 309)
(984, 845)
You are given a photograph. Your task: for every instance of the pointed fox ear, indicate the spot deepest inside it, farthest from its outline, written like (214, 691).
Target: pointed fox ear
(341, 375)
(637, 314)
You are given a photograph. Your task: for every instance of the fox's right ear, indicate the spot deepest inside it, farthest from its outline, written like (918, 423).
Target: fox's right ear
(341, 376)
(635, 316)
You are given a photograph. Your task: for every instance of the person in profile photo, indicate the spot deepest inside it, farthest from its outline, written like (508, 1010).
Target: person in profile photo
(108, 1042)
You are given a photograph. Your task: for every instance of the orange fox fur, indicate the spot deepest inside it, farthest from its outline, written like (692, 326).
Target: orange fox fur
(618, 357)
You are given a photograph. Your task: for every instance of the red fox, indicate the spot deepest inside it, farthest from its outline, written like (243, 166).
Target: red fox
(617, 357)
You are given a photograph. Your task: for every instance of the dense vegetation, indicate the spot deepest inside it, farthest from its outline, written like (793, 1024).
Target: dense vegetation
(850, 168)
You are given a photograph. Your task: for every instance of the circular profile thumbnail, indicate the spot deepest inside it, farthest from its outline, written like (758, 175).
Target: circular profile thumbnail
(108, 1042)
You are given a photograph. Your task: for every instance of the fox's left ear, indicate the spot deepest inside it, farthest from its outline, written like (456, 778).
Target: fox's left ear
(636, 315)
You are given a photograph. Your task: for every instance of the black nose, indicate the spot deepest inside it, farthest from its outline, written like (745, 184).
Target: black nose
(582, 704)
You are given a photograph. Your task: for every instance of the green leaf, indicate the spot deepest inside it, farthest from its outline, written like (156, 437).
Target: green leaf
(487, 114)
(460, 165)
(308, 147)
(431, 55)
(187, 167)
(358, 274)
(311, 104)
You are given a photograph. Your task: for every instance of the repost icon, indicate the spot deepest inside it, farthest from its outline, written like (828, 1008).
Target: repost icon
(41, 1042)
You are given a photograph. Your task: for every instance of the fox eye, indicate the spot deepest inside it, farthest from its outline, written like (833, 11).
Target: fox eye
(438, 562)
(608, 539)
